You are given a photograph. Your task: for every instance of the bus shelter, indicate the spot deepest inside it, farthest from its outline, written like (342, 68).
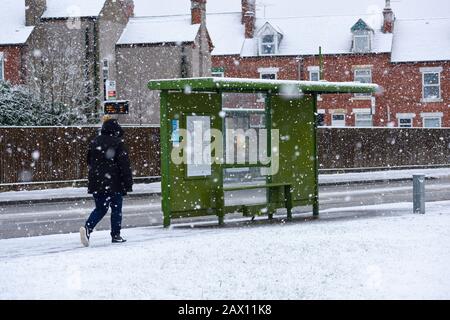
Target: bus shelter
(197, 148)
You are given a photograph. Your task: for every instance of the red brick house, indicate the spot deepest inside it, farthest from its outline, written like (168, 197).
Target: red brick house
(13, 41)
(409, 58)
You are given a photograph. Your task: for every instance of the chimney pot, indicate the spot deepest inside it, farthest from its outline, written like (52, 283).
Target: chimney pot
(388, 18)
(248, 17)
(34, 9)
(198, 11)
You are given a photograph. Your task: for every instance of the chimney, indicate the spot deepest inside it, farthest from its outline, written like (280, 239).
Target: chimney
(248, 17)
(34, 9)
(198, 11)
(388, 18)
(128, 8)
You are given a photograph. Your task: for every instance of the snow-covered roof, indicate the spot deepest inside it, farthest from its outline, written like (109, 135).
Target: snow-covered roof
(306, 25)
(227, 33)
(304, 35)
(12, 23)
(223, 21)
(73, 8)
(179, 29)
(159, 30)
(421, 40)
(403, 9)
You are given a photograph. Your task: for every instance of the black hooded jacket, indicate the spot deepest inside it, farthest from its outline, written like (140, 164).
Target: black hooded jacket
(108, 161)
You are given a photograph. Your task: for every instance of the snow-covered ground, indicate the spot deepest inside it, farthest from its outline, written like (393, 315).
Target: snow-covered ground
(64, 193)
(387, 256)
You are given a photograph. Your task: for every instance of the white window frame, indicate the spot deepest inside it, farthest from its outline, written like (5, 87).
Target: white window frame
(264, 71)
(407, 116)
(362, 95)
(431, 115)
(218, 74)
(2, 66)
(361, 36)
(314, 70)
(357, 115)
(333, 122)
(429, 118)
(358, 112)
(274, 43)
(402, 125)
(435, 70)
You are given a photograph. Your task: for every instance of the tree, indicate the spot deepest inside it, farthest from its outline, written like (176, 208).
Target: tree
(19, 107)
(62, 74)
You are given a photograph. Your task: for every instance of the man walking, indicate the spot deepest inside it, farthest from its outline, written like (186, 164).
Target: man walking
(110, 178)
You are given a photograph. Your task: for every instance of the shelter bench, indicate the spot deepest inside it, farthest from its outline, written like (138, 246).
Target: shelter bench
(286, 188)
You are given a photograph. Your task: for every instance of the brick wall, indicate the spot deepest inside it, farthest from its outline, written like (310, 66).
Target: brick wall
(401, 83)
(50, 154)
(34, 154)
(13, 63)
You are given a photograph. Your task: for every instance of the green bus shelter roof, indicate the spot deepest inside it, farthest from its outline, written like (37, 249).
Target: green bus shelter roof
(288, 87)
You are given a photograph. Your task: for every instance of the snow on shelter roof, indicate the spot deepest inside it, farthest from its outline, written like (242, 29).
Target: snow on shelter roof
(12, 29)
(73, 8)
(159, 30)
(288, 87)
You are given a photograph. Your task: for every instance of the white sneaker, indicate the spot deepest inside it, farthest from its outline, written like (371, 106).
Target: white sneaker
(84, 236)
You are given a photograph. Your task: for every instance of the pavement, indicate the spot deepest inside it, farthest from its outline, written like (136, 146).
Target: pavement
(154, 189)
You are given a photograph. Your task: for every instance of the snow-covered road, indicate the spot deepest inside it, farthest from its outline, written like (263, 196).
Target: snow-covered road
(392, 257)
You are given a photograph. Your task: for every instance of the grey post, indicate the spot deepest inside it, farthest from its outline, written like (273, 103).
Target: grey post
(419, 193)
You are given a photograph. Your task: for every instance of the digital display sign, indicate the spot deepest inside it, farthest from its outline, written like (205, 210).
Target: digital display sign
(116, 107)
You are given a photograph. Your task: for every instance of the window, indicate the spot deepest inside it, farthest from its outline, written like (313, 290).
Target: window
(269, 38)
(405, 120)
(271, 76)
(320, 118)
(361, 43)
(2, 67)
(361, 36)
(405, 123)
(268, 73)
(432, 119)
(338, 120)
(432, 122)
(268, 44)
(105, 69)
(363, 120)
(431, 83)
(218, 72)
(314, 73)
(363, 75)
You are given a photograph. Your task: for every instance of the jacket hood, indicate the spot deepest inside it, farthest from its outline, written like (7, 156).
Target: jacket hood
(112, 128)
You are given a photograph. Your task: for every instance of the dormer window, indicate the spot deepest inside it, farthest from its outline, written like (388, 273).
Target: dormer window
(361, 43)
(269, 39)
(268, 44)
(362, 37)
